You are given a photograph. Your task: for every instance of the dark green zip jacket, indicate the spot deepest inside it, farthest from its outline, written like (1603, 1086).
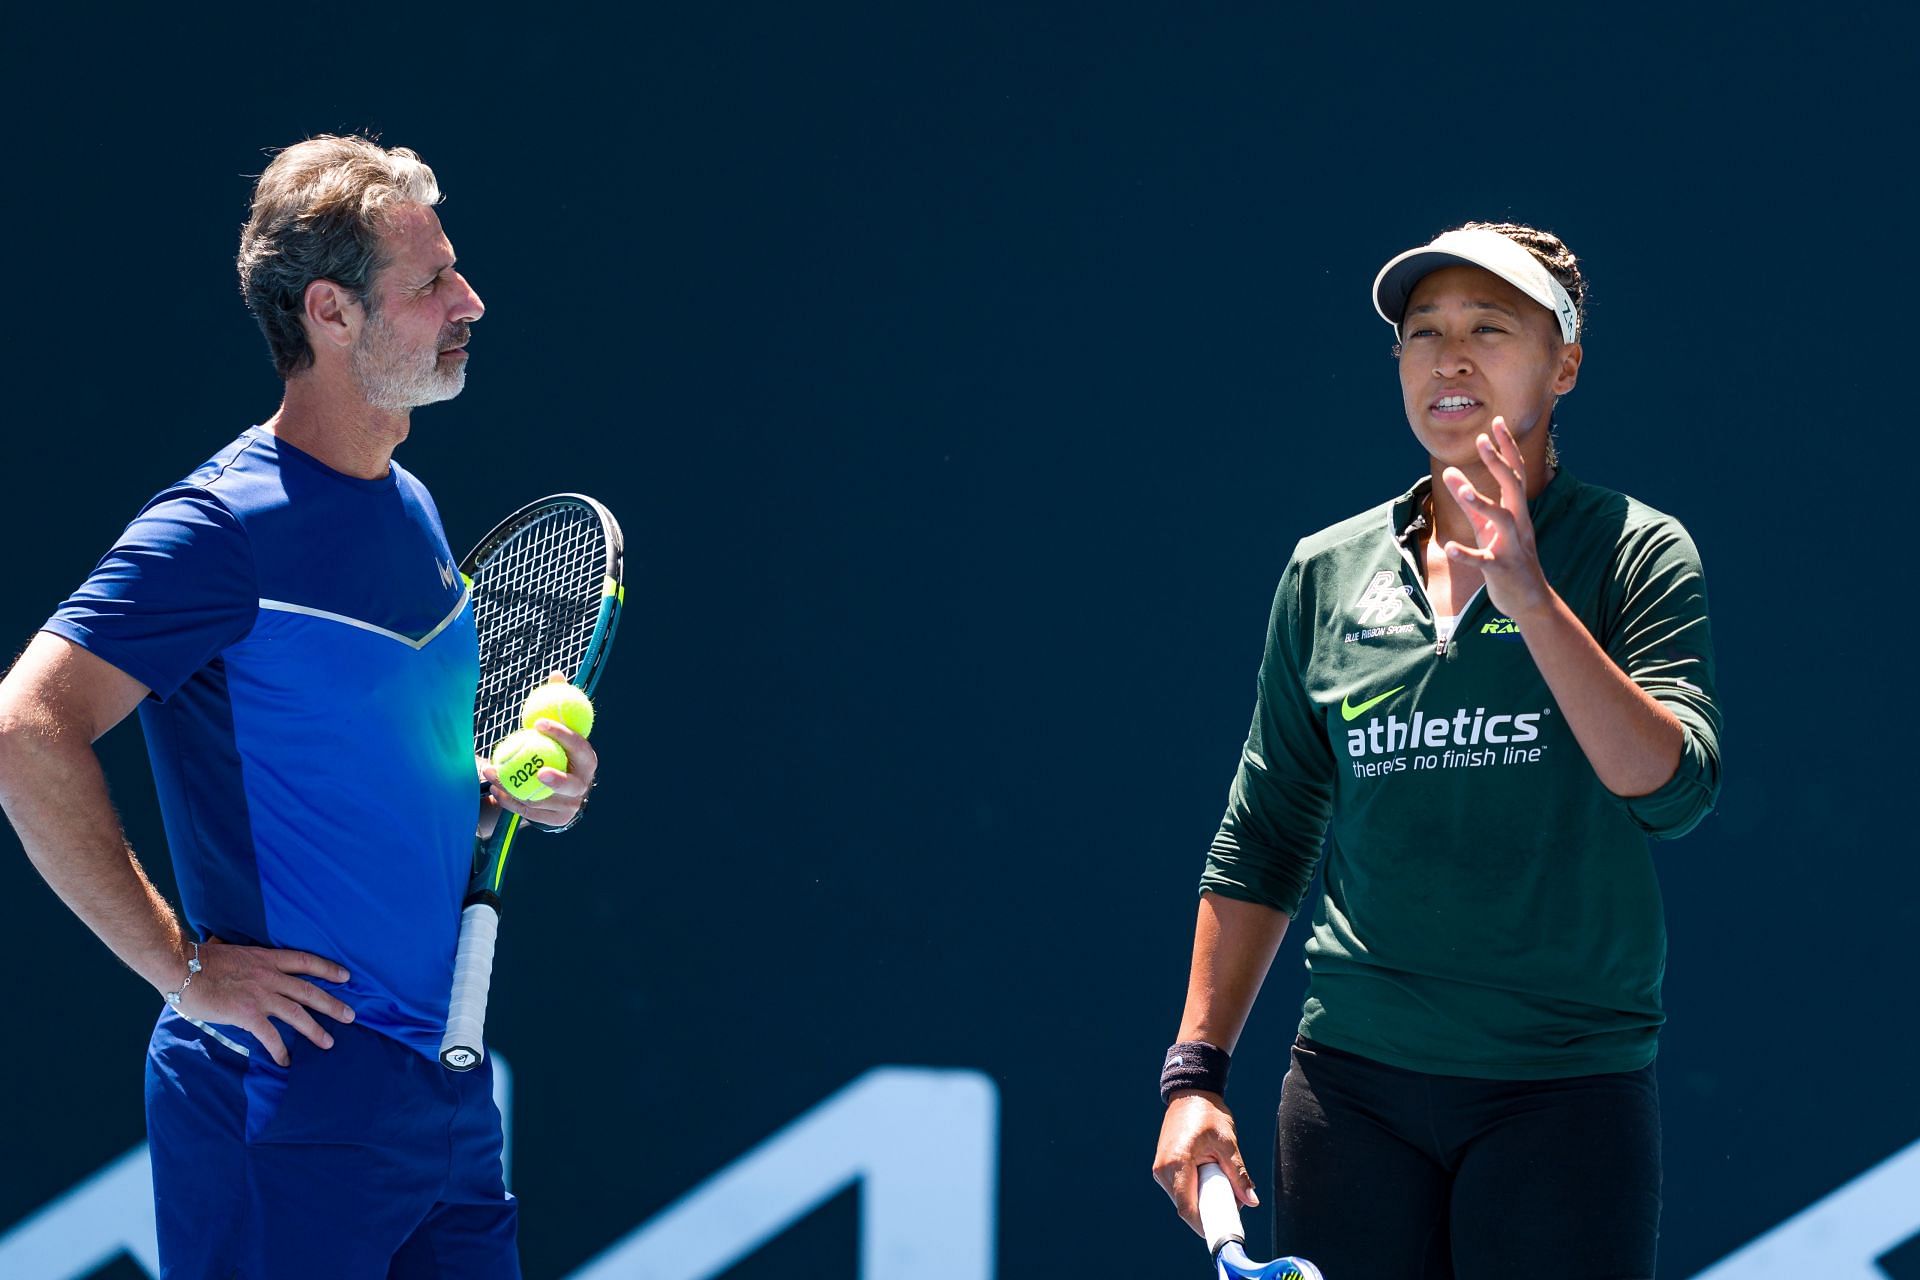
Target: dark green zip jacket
(1491, 909)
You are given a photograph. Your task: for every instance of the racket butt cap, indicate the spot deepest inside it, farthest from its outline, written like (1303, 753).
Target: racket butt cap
(461, 1058)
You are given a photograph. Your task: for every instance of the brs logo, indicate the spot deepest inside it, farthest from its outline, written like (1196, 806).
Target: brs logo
(1382, 601)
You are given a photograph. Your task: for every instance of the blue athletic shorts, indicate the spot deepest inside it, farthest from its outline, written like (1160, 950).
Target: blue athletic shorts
(360, 1162)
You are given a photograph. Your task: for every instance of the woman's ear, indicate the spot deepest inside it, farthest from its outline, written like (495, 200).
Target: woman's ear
(1567, 372)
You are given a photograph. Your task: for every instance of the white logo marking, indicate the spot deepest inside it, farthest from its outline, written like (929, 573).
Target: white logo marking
(446, 571)
(111, 1213)
(1382, 601)
(1840, 1236)
(923, 1144)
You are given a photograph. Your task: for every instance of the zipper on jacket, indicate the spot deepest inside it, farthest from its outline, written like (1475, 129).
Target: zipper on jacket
(1420, 585)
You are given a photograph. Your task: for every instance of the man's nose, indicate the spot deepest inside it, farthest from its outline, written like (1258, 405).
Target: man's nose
(471, 308)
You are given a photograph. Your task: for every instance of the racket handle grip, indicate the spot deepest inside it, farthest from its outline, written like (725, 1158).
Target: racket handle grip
(1219, 1208)
(464, 1046)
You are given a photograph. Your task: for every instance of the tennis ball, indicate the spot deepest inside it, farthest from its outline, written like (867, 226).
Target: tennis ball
(521, 756)
(559, 701)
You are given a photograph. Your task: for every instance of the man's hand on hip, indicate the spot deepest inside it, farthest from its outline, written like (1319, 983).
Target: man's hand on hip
(248, 987)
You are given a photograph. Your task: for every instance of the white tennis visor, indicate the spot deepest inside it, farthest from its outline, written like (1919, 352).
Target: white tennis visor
(1488, 250)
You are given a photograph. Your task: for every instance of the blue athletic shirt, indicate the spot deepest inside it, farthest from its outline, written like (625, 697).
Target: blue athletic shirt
(311, 652)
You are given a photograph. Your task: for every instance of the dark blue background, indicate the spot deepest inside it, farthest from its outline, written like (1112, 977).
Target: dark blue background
(962, 378)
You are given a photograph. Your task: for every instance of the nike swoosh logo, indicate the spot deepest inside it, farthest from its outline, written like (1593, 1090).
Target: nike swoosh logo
(1349, 712)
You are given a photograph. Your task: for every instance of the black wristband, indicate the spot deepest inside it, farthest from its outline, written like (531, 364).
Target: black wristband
(1194, 1064)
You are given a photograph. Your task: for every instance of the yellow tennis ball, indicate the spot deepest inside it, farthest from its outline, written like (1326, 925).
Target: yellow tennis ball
(559, 701)
(521, 756)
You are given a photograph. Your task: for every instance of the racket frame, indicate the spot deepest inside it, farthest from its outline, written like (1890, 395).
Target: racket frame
(463, 1046)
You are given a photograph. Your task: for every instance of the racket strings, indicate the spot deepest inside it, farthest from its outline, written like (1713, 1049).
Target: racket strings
(536, 599)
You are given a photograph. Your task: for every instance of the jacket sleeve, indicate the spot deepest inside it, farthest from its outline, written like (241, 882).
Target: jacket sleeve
(1282, 794)
(1659, 635)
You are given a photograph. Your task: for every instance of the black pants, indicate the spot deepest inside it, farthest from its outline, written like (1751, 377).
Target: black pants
(1388, 1174)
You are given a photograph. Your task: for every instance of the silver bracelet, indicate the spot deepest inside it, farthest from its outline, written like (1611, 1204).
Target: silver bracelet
(193, 967)
(578, 814)
(569, 824)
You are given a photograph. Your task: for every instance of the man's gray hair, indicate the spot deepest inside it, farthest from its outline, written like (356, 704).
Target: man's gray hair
(318, 211)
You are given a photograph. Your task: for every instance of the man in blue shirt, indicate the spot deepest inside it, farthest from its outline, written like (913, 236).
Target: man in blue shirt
(289, 622)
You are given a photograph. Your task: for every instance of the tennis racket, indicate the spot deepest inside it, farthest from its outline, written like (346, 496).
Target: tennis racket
(1220, 1215)
(547, 592)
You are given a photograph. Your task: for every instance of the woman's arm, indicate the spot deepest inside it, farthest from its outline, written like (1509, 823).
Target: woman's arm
(1633, 743)
(1233, 947)
(1234, 944)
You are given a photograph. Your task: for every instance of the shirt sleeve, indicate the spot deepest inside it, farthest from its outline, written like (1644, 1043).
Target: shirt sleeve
(176, 589)
(1659, 635)
(1282, 796)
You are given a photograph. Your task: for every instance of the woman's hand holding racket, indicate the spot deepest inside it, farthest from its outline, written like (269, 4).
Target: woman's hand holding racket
(1198, 1130)
(1220, 1224)
(1199, 1166)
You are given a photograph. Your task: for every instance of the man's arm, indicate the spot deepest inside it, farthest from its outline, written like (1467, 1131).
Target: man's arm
(54, 704)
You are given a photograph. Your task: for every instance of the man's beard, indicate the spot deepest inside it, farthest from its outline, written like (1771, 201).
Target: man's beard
(395, 377)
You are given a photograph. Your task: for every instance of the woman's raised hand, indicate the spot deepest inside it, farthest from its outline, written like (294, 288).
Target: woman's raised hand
(1502, 528)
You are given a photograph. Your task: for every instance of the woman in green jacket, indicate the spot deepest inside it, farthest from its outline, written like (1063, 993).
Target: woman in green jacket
(1481, 697)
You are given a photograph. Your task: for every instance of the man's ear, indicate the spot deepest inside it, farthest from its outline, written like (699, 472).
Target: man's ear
(333, 314)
